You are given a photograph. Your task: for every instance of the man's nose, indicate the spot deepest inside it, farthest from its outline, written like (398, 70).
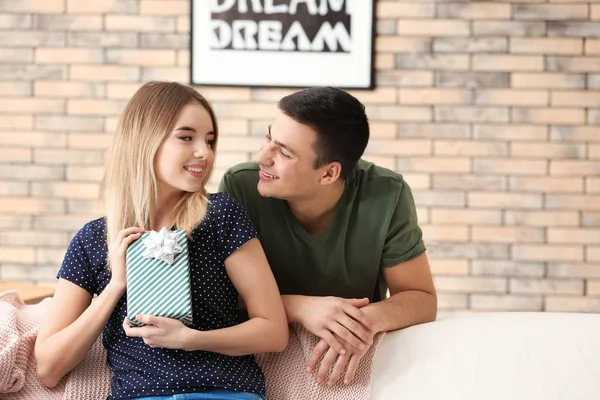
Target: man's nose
(264, 155)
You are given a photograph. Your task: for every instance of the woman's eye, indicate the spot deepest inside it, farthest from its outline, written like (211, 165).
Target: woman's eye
(185, 138)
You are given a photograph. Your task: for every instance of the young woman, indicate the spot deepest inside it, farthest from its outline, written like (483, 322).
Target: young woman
(160, 160)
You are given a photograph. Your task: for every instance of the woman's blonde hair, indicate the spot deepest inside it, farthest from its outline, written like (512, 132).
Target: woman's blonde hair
(129, 185)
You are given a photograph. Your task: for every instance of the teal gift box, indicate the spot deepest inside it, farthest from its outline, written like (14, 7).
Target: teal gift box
(158, 278)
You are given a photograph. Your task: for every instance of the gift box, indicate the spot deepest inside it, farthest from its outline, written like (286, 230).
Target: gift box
(158, 278)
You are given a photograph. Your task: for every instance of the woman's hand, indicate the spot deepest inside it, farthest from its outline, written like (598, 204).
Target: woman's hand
(116, 256)
(163, 332)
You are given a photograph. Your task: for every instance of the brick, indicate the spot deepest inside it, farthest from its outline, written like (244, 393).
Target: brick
(33, 6)
(99, 141)
(165, 41)
(512, 97)
(141, 58)
(580, 98)
(423, 215)
(548, 115)
(546, 184)
(470, 148)
(382, 130)
(547, 80)
(592, 254)
(15, 21)
(547, 12)
(32, 72)
(383, 61)
(17, 122)
(61, 222)
(434, 164)
(122, 91)
(138, 23)
(15, 154)
(432, 27)
(547, 252)
(472, 79)
(16, 255)
(487, 302)
(398, 113)
(508, 28)
(183, 57)
(31, 172)
(68, 56)
(404, 78)
(69, 123)
(573, 64)
(469, 182)
(399, 147)
(434, 96)
(444, 216)
(574, 133)
(16, 89)
(548, 150)
(452, 301)
(15, 221)
(470, 45)
(573, 29)
(593, 116)
(95, 107)
(439, 198)
(110, 124)
(31, 237)
(432, 61)
(511, 132)
(67, 190)
(500, 234)
(13, 188)
(164, 7)
(85, 157)
(104, 73)
(38, 139)
(16, 56)
(94, 207)
(574, 167)
(385, 27)
(403, 10)
(592, 46)
(102, 6)
(507, 268)
(31, 105)
(68, 89)
(174, 74)
(573, 235)
(415, 180)
(541, 218)
(84, 173)
(377, 96)
(593, 81)
(572, 304)
(504, 200)
(183, 24)
(593, 287)
(397, 44)
(471, 114)
(103, 39)
(434, 130)
(68, 22)
(507, 63)
(273, 95)
(470, 284)
(32, 39)
(49, 256)
(468, 250)
(595, 12)
(474, 10)
(29, 205)
(546, 45)
(383, 161)
(573, 202)
(445, 233)
(592, 185)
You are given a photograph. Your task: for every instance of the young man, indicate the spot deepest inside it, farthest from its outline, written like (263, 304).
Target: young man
(337, 231)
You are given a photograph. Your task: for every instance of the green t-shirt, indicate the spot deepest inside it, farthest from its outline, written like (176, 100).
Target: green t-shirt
(375, 225)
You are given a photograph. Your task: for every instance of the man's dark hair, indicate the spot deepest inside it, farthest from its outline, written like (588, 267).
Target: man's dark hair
(339, 120)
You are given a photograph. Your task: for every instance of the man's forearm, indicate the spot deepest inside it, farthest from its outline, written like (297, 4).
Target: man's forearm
(403, 309)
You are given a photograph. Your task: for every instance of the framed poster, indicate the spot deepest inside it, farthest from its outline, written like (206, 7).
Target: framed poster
(283, 43)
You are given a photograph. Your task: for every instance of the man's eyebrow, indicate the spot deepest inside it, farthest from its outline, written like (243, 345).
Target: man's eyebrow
(288, 148)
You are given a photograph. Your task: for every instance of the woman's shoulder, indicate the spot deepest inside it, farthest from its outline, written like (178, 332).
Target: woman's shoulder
(222, 203)
(94, 230)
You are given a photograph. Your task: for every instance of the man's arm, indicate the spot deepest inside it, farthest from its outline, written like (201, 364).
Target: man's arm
(412, 298)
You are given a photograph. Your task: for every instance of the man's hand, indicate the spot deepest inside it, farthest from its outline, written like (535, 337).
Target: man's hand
(163, 332)
(333, 318)
(343, 364)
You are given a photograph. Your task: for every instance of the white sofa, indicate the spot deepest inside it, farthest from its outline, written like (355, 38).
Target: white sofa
(489, 356)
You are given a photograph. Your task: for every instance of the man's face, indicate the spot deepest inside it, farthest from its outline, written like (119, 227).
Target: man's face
(286, 161)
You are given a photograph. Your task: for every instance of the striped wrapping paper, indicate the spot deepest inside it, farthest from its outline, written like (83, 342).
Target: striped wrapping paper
(155, 287)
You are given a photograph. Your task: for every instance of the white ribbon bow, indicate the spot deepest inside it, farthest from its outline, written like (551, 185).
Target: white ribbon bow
(162, 245)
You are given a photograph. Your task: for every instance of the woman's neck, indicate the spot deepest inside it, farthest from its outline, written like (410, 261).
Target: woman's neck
(161, 212)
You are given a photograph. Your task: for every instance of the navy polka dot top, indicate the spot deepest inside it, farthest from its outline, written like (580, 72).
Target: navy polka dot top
(140, 370)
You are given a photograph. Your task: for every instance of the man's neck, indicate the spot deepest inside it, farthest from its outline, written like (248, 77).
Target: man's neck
(316, 213)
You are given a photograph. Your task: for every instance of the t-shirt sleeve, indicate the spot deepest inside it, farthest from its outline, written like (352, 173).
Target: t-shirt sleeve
(233, 226)
(404, 240)
(76, 267)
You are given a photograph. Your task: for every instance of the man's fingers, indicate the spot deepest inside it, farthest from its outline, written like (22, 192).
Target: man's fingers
(318, 352)
(326, 365)
(346, 335)
(351, 371)
(357, 329)
(359, 317)
(333, 342)
(357, 302)
(338, 370)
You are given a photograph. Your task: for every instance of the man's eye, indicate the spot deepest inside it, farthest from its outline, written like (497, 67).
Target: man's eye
(283, 154)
